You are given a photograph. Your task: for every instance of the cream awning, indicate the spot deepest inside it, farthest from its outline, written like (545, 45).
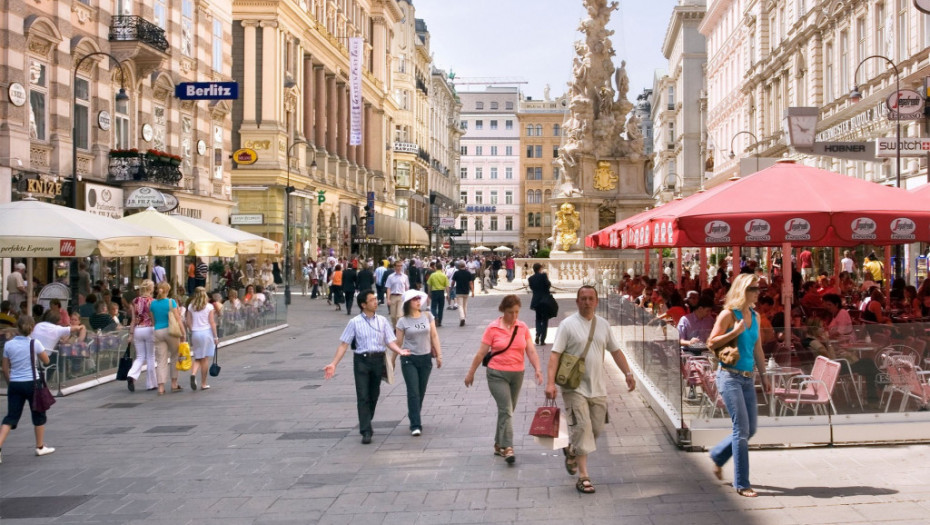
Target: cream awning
(392, 230)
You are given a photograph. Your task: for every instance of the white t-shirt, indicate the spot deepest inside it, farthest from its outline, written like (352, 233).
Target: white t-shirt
(572, 336)
(200, 319)
(848, 265)
(49, 334)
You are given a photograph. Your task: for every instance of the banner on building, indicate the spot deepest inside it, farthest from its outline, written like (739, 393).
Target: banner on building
(356, 48)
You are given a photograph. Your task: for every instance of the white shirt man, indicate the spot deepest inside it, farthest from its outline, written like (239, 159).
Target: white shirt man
(16, 286)
(396, 284)
(848, 264)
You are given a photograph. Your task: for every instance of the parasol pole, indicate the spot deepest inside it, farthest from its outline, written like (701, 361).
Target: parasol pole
(29, 265)
(786, 290)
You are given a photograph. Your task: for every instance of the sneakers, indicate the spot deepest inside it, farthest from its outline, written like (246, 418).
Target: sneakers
(44, 451)
(366, 438)
(416, 432)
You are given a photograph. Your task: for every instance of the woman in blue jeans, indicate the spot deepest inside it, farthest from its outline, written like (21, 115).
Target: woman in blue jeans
(416, 332)
(738, 324)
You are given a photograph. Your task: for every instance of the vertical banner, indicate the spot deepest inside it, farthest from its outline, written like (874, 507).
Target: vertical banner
(370, 222)
(356, 46)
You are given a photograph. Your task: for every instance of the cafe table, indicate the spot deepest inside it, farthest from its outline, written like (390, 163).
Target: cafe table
(779, 375)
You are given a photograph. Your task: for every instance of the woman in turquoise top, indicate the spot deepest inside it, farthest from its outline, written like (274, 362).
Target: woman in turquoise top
(165, 345)
(738, 323)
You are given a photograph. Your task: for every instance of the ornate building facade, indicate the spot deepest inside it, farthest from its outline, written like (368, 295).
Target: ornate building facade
(292, 61)
(444, 139)
(540, 124)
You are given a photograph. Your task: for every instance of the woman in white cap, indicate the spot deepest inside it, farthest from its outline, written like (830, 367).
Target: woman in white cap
(416, 332)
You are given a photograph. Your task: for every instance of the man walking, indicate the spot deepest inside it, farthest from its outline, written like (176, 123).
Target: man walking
(349, 279)
(437, 283)
(464, 282)
(379, 280)
(585, 406)
(395, 285)
(16, 286)
(371, 335)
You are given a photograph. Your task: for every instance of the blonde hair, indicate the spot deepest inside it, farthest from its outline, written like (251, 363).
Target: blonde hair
(199, 300)
(736, 296)
(163, 289)
(146, 287)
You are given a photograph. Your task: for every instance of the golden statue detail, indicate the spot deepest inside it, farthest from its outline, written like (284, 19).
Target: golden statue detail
(567, 223)
(604, 178)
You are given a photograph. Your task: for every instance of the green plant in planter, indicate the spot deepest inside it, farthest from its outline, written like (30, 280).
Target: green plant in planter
(542, 253)
(217, 268)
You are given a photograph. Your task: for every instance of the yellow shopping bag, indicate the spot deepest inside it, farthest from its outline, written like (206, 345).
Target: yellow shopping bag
(184, 357)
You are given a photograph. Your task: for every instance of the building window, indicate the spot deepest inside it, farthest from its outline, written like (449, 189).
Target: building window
(539, 130)
(187, 28)
(38, 101)
(81, 113)
(508, 173)
(880, 44)
(218, 140)
(493, 105)
(494, 173)
(844, 59)
(547, 220)
(529, 197)
(493, 197)
(925, 20)
(555, 173)
(217, 45)
(508, 105)
(530, 130)
(479, 173)
(463, 150)
(463, 173)
(121, 137)
(555, 152)
(860, 38)
(534, 173)
(402, 175)
(556, 130)
(479, 197)
(671, 97)
(479, 105)
(479, 223)
(493, 223)
(508, 223)
(161, 14)
(479, 150)
(529, 219)
(463, 198)
(671, 134)
(493, 124)
(463, 222)
(493, 151)
(508, 197)
(464, 124)
(902, 29)
(538, 152)
(479, 124)
(508, 124)
(508, 150)
(828, 94)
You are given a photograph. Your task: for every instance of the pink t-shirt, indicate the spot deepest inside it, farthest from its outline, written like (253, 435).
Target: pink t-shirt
(140, 306)
(806, 259)
(495, 336)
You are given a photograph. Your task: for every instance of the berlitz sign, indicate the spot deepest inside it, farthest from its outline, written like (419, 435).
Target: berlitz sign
(207, 91)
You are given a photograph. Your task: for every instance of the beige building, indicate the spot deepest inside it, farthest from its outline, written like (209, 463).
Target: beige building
(61, 98)
(444, 138)
(292, 62)
(540, 124)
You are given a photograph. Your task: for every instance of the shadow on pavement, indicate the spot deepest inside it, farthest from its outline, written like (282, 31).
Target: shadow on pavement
(823, 492)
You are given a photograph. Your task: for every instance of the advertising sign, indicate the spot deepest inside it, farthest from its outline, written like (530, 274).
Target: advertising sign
(207, 91)
(145, 197)
(905, 104)
(910, 147)
(103, 200)
(245, 156)
(246, 218)
(356, 47)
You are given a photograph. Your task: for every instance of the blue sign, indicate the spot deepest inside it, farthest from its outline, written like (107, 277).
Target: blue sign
(207, 91)
(370, 218)
(481, 209)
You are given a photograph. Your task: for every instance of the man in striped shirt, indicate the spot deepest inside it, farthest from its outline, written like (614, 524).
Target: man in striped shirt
(371, 334)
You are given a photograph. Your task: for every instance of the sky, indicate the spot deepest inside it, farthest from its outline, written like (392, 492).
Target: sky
(532, 40)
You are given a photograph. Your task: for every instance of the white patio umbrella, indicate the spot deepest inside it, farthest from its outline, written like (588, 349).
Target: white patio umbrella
(246, 243)
(502, 249)
(197, 241)
(481, 248)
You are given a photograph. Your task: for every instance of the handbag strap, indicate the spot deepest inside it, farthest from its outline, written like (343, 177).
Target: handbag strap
(512, 337)
(32, 358)
(587, 346)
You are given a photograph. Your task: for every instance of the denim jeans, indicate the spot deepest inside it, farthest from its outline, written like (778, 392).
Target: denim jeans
(437, 305)
(368, 372)
(416, 370)
(739, 396)
(505, 389)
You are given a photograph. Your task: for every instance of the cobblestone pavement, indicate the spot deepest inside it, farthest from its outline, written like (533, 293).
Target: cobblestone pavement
(272, 443)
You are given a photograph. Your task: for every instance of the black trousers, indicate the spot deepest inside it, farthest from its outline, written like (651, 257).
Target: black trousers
(349, 298)
(368, 371)
(542, 325)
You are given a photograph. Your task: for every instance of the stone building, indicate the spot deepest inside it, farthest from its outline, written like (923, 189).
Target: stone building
(444, 139)
(540, 124)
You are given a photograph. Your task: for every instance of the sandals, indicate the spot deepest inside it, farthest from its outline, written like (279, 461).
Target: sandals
(584, 486)
(509, 456)
(571, 462)
(498, 451)
(718, 472)
(747, 493)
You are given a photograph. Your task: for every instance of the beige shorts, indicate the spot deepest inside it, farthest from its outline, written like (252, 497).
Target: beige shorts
(586, 417)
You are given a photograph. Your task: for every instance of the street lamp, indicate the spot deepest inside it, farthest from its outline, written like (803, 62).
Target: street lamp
(755, 146)
(288, 189)
(856, 96)
(121, 96)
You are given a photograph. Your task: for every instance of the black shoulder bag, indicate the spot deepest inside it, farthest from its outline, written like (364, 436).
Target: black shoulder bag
(489, 355)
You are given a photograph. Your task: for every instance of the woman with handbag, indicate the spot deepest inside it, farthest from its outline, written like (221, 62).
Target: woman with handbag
(204, 337)
(504, 347)
(737, 327)
(416, 332)
(142, 336)
(168, 334)
(20, 373)
(335, 284)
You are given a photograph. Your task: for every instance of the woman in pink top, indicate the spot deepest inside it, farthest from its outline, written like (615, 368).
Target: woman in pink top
(508, 340)
(142, 335)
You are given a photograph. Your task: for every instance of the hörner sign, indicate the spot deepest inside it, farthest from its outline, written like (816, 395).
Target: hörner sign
(910, 147)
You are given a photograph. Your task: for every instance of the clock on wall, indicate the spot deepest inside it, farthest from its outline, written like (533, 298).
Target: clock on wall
(201, 147)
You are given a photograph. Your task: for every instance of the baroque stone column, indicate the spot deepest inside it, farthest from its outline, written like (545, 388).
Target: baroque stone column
(319, 110)
(271, 81)
(342, 115)
(331, 120)
(249, 94)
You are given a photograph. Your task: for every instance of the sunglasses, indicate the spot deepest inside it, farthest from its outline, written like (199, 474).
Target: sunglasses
(752, 289)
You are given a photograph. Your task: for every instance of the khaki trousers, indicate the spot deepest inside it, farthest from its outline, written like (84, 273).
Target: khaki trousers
(165, 347)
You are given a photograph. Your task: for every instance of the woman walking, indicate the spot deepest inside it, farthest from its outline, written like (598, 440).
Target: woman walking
(416, 332)
(201, 320)
(508, 340)
(18, 369)
(165, 343)
(336, 286)
(738, 325)
(142, 335)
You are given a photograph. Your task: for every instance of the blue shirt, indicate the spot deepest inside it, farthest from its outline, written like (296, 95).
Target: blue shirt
(746, 342)
(160, 309)
(17, 351)
(371, 334)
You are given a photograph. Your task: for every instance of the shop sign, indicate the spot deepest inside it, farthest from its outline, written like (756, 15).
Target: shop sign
(17, 94)
(905, 104)
(757, 230)
(910, 147)
(481, 209)
(171, 203)
(852, 124)
(103, 120)
(366, 240)
(447, 222)
(145, 197)
(240, 219)
(43, 188)
(717, 232)
(245, 156)
(207, 91)
(863, 228)
(797, 229)
(903, 228)
(103, 200)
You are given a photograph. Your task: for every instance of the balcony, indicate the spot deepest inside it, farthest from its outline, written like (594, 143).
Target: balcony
(135, 38)
(138, 167)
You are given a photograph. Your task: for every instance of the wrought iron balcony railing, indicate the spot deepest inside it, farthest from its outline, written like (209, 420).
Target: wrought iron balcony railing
(144, 168)
(131, 27)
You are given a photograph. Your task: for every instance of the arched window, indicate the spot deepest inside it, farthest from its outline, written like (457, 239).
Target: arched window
(539, 130)
(547, 195)
(529, 130)
(529, 197)
(538, 196)
(529, 219)
(556, 130)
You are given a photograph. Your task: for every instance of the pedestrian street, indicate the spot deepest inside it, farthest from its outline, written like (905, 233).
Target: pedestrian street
(272, 443)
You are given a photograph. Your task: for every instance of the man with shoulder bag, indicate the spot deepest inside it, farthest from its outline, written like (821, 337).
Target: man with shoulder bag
(577, 365)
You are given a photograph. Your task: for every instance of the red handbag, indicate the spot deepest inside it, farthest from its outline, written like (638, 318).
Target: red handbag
(546, 421)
